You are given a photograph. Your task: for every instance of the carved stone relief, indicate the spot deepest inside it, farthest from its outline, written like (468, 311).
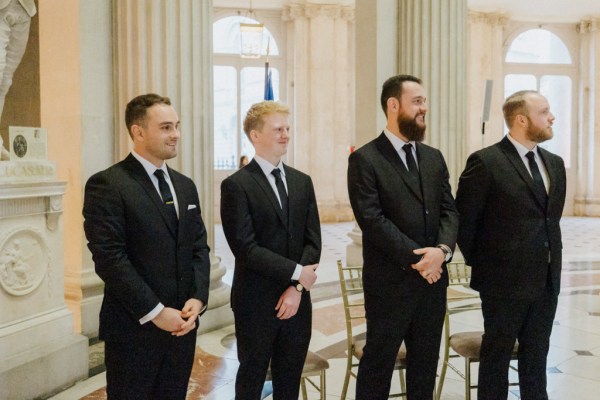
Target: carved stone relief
(24, 261)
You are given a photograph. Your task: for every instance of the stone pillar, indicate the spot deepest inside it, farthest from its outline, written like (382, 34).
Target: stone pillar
(322, 100)
(587, 198)
(432, 46)
(165, 47)
(486, 61)
(39, 351)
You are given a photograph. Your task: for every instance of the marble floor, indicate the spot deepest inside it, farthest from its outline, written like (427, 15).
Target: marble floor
(573, 362)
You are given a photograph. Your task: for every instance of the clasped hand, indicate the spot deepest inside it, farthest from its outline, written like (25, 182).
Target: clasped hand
(179, 322)
(430, 265)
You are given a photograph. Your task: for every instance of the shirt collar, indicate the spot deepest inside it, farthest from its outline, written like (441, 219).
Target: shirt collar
(267, 167)
(148, 166)
(522, 150)
(396, 141)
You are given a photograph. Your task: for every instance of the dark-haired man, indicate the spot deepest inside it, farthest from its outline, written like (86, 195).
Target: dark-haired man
(400, 194)
(148, 242)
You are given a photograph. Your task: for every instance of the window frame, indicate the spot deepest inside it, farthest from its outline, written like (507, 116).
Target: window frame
(272, 20)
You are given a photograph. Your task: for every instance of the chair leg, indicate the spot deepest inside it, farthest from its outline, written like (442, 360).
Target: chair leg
(402, 381)
(345, 387)
(467, 378)
(303, 386)
(438, 395)
(323, 391)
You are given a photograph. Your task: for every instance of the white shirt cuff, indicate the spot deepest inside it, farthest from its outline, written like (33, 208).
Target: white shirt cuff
(297, 272)
(152, 314)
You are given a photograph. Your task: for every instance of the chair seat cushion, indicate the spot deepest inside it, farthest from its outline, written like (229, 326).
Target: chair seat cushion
(400, 357)
(314, 363)
(468, 344)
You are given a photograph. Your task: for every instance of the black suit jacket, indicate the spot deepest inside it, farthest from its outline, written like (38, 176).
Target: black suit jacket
(505, 233)
(139, 256)
(267, 248)
(395, 216)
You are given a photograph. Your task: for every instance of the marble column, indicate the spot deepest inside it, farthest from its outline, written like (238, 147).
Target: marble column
(587, 198)
(486, 36)
(165, 47)
(432, 46)
(322, 100)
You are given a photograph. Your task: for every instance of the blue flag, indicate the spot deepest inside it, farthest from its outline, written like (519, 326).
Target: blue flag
(268, 83)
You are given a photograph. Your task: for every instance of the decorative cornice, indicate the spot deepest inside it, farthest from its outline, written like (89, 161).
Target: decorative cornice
(311, 11)
(589, 25)
(494, 19)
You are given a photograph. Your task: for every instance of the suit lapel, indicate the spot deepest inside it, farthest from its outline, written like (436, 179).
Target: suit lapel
(138, 173)
(387, 149)
(553, 176)
(258, 175)
(515, 159)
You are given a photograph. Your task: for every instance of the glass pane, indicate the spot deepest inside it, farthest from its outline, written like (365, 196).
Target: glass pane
(538, 46)
(226, 36)
(225, 117)
(558, 91)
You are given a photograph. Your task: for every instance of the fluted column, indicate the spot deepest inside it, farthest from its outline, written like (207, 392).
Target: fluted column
(485, 57)
(432, 46)
(321, 69)
(587, 198)
(166, 47)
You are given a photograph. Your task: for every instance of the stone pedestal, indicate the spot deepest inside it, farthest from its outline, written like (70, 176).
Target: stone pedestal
(39, 352)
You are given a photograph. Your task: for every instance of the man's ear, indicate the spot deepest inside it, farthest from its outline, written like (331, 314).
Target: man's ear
(253, 135)
(136, 132)
(393, 104)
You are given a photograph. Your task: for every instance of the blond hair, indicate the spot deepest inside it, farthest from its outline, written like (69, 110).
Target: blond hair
(254, 117)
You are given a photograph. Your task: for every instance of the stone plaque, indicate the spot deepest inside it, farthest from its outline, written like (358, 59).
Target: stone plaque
(28, 143)
(24, 261)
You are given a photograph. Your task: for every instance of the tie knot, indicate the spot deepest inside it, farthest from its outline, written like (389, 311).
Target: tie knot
(159, 173)
(277, 173)
(407, 148)
(530, 155)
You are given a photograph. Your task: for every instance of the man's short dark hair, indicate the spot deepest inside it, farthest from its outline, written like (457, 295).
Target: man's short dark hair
(393, 88)
(135, 112)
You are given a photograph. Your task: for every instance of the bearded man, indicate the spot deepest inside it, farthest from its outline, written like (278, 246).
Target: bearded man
(400, 194)
(510, 198)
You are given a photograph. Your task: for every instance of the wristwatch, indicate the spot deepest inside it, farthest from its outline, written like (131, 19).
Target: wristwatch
(446, 250)
(298, 286)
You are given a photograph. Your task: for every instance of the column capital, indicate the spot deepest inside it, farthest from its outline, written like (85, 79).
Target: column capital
(494, 19)
(588, 25)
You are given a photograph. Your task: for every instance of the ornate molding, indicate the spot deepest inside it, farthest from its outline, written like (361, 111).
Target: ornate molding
(311, 11)
(24, 261)
(495, 19)
(588, 25)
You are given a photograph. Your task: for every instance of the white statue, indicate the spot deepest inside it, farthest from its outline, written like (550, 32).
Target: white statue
(15, 18)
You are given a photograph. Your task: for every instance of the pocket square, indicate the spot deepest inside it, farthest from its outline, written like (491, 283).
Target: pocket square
(191, 206)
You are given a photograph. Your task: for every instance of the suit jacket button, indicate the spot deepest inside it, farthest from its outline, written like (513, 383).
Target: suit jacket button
(545, 244)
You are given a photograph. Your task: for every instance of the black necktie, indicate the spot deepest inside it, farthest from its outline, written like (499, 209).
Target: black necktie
(538, 182)
(167, 197)
(283, 197)
(410, 160)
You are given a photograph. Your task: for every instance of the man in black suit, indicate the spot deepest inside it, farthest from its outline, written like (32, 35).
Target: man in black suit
(510, 198)
(400, 193)
(271, 222)
(148, 242)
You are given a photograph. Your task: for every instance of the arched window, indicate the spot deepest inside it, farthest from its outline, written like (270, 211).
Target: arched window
(538, 59)
(238, 83)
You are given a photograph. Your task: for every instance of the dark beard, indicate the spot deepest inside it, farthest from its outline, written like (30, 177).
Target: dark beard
(410, 129)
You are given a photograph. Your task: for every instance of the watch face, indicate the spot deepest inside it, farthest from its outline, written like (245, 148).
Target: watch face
(299, 287)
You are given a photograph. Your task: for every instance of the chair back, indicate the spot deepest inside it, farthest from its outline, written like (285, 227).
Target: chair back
(352, 296)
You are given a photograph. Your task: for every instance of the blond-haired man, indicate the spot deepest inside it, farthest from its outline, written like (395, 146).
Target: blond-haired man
(270, 218)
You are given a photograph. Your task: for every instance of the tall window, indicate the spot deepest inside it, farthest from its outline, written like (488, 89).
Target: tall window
(538, 59)
(238, 83)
